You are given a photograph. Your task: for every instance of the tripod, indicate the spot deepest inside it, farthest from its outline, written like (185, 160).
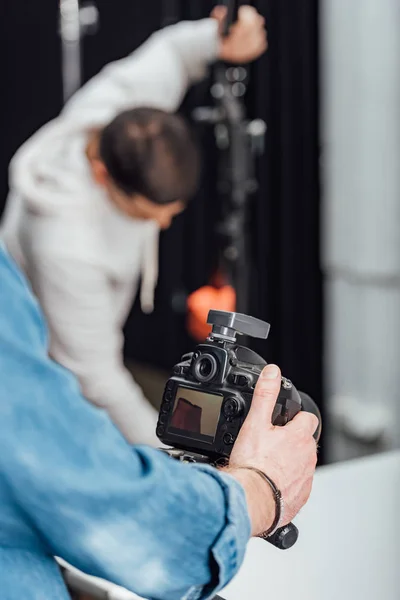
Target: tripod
(239, 141)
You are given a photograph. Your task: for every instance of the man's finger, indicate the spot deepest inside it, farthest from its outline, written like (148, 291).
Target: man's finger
(306, 421)
(219, 13)
(265, 394)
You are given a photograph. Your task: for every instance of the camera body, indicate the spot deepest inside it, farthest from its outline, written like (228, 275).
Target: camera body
(209, 395)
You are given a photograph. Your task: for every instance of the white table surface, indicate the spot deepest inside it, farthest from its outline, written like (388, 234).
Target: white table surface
(349, 543)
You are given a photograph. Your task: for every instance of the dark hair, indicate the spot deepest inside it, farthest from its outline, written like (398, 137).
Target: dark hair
(153, 153)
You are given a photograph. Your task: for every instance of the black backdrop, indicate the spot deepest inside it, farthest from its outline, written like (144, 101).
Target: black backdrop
(285, 212)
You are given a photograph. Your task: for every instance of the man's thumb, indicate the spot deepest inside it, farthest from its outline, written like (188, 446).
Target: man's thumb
(265, 394)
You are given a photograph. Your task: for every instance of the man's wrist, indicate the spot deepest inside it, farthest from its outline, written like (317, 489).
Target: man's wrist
(259, 497)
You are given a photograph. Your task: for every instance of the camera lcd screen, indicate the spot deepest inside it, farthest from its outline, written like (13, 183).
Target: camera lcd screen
(195, 414)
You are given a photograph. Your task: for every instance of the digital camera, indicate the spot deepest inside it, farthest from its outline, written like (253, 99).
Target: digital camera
(209, 395)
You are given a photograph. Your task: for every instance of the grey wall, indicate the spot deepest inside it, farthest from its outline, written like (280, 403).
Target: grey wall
(360, 74)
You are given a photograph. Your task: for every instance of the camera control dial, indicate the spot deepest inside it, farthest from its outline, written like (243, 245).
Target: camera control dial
(232, 408)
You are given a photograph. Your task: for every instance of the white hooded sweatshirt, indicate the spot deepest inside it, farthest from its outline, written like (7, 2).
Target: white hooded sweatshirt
(83, 257)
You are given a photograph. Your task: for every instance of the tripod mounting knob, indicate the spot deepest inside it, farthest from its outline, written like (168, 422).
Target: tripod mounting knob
(225, 325)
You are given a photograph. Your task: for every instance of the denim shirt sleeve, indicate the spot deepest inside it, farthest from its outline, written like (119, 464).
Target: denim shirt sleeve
(162, 529)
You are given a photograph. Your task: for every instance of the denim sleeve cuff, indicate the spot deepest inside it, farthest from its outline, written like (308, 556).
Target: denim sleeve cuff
(229, 548)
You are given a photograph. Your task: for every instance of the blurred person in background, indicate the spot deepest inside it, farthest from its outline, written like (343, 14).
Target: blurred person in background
(72, 487)
(90, 191)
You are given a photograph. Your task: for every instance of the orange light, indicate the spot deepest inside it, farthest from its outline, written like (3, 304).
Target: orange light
(201, 302)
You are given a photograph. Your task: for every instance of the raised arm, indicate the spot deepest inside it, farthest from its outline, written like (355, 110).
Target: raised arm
(157, 74)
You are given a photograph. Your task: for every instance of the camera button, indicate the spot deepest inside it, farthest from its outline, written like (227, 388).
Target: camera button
(162, 419)
(228, 439)
(160, 430)
(231, 408)
(286, 383)
(239, 380)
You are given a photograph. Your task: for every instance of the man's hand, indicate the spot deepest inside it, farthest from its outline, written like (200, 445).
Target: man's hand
(247, 38)
(288, 455)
